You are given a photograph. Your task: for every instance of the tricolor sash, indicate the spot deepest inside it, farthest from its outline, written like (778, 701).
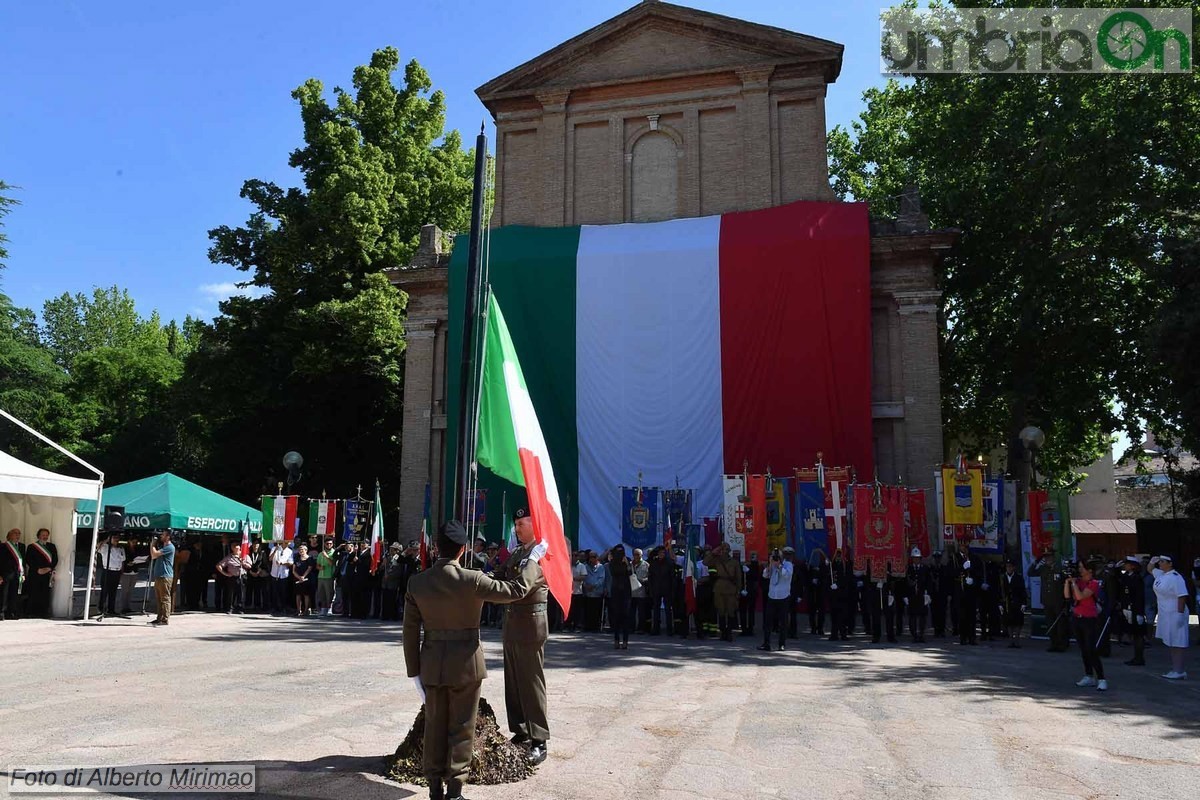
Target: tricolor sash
(45, 553)
(20, 562)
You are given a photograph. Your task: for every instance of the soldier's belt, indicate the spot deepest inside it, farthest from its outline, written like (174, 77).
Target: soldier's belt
(470, 635)
(526, 610)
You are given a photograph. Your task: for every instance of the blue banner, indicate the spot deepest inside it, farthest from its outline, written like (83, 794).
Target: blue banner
(639, 517)
(358, 518)
(677, 503)
(989, 537)
(810, 525)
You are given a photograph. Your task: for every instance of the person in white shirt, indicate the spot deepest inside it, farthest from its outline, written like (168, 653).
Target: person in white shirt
(1171, 591)
(282, 560)
(578, 572)
(777, 578)
(110, 557)
(640, 568)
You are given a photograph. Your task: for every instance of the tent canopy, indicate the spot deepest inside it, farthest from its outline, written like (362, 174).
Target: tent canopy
(17, 477)
(168, 501)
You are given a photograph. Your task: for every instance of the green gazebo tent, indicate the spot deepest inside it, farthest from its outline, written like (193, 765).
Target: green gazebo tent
(168, 501)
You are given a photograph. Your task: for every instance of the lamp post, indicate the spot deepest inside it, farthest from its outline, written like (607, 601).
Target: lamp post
(1033, 439)
(292, 462)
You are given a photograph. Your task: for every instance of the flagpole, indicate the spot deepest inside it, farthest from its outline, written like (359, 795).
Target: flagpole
(466, 392)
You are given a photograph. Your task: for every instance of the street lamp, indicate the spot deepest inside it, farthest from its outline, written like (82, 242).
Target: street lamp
(1032, 438)
(292, 462)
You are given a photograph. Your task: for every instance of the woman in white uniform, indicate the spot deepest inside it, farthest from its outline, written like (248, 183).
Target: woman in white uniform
(1171, 591)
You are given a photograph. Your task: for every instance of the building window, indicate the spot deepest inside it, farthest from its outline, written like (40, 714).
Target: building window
(654, 178)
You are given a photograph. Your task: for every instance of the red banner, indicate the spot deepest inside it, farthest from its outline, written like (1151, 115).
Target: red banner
(1040, 539)
(879, 526)
(756, 516)
(916, 518)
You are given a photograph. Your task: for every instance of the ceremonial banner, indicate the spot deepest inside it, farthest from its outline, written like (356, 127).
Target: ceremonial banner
(639, 516)
(1050, 523)
(426, 545)
(764, 354)
(358, 513)
(811, 502)
(837, 485)
(879, 526)
(962, 495)
(734, 490)
(989, 537)
(712, 530)
(479, 509)
(756, 516)
(917, 518)
(1033, 584)
(279, 518)
(322, 517)
(776, 516)
(950, 535)
(678, 503)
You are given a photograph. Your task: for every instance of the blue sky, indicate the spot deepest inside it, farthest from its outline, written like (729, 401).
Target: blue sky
(130, 126)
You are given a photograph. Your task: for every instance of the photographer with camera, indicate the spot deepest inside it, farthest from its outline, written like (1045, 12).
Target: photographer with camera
(777, 576)
(1082, 589)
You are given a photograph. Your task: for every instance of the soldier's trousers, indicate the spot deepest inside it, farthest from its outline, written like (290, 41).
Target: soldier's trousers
(966, 619)
(916, 620)
(525, 689)
(450, 732)
(816, 612)
(873, 600)
(1060, 630)
(900, 610)
(938, 608)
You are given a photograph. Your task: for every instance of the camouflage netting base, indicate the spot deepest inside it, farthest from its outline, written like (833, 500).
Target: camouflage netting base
(494, 759)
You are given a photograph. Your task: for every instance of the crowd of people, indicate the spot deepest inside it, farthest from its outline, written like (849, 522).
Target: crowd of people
(955, 594)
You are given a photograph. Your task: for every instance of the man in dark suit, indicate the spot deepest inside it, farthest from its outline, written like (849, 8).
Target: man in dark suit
(12, 574)
(447, 666)
(41, 560)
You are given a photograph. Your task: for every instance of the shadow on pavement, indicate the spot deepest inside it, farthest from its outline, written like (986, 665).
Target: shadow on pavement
(990, 669)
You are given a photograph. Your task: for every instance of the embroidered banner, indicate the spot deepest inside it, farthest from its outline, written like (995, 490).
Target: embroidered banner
(639, 516)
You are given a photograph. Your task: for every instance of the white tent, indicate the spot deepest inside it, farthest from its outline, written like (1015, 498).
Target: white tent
(32, 498)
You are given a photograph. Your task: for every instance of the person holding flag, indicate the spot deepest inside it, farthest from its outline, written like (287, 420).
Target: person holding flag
(509, 442)
(525, 632)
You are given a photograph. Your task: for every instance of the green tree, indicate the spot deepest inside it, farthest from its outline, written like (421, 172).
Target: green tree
(32, 388)
(6, 204)
(315, 363)
(1064, 188)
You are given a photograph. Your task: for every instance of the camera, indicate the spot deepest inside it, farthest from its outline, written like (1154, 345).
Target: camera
(776, 555)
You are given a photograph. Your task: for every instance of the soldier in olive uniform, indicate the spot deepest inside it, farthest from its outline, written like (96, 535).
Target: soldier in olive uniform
(448, 666)
(727, 584)
(525, 632)
(1050, 572)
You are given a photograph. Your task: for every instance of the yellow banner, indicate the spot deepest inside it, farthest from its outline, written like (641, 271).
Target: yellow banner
(962, 497)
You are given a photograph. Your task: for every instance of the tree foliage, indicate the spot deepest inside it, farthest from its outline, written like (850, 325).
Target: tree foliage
(1065, 188)
(315, 363)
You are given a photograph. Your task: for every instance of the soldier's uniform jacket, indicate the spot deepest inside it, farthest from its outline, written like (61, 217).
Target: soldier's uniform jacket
(727, 574)
(919, 582)
(526, 618)
(447, 601)
(1052, 590)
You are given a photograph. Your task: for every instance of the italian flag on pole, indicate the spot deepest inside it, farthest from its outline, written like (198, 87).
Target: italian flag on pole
(510, 443)
(377, 532)
(279, 518)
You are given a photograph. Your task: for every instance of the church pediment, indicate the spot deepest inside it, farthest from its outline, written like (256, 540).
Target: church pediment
(655, 39)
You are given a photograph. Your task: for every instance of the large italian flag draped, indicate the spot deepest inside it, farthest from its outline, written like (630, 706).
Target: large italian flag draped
(682, 349)
(511, 445)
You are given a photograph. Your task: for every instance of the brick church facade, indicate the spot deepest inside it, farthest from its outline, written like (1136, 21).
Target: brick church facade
(665, 112)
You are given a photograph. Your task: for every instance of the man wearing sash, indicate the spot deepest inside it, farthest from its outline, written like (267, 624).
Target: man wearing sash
(41, 558)
(12, 574)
